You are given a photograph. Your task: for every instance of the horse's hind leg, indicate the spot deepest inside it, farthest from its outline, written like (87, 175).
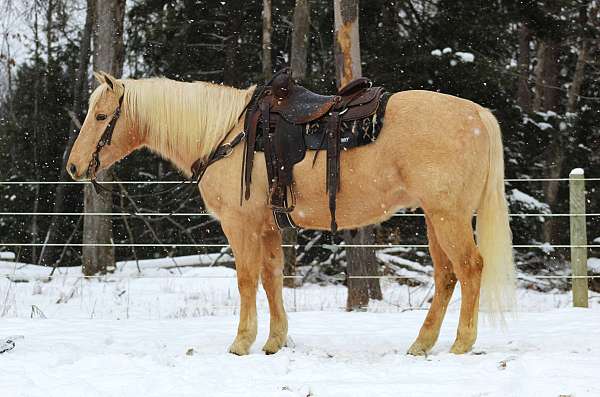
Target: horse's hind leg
(445, 281)
(246, 247)
(272, 280)
(455, 236)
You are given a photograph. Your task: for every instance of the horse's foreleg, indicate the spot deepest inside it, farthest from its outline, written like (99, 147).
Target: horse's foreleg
(247, 250)
(455, 236)
(445, 281)
(272, 280)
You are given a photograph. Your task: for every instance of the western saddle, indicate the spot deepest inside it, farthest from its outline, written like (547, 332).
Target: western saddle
(285, 120)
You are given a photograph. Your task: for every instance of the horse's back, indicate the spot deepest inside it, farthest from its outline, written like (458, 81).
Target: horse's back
(432, 150)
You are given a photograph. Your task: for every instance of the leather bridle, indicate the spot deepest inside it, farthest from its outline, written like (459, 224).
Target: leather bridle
(105, 140)
(198, 167)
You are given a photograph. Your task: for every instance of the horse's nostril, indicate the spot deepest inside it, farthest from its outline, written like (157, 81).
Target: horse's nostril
(73, 169)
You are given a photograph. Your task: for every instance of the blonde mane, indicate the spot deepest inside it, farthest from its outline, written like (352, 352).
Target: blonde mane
(180, 119)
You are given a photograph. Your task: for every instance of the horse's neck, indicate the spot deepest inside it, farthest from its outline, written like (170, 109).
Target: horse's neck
(178, 133)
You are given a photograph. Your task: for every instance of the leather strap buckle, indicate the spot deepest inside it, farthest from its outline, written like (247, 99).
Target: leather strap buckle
(227, 150)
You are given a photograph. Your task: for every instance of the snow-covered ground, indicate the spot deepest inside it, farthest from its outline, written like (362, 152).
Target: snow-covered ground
(166, 332)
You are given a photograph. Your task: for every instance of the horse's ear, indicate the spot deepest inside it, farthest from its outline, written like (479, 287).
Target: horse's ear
(110, 80)
(99, 77)
(114, 84)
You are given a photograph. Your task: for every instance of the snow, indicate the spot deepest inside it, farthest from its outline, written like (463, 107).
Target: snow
(465, 56)
(547, 248)
(577, 171)
(594, 264)
(543, 126)
(7, 255)
(529, 202)
(165, 332)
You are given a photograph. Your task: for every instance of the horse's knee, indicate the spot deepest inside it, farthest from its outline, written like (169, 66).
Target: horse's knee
(247, 282)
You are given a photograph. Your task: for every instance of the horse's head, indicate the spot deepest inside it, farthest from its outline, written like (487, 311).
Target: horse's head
(106, 135)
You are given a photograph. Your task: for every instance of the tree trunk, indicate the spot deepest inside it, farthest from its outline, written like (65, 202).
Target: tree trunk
(49, 12)
(231, 74)
(36, 136)
(550, 101)
(290, 237)
(301, 30)
(267, 64)
(9, 64)
(539, 71)
(298, 63)
(346, 41)
(48, 254)
(360, 260)
(582, 57)
(550, 72)
(523, 93)
(108, 56)
(578, 77)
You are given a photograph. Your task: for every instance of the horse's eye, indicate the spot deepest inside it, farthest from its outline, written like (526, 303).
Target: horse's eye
(100, 117)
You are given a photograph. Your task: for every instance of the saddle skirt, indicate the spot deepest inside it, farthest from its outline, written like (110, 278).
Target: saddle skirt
(284, 120)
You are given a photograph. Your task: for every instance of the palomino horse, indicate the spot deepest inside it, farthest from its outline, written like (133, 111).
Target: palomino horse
(435, 151)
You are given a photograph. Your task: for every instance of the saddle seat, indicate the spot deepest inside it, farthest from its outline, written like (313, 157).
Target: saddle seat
(297, 104)
(284, 120)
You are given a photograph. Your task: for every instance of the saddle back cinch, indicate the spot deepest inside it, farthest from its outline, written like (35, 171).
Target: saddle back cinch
(284, 120)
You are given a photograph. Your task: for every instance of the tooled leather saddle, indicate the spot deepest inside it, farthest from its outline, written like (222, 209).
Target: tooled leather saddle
(284, 120)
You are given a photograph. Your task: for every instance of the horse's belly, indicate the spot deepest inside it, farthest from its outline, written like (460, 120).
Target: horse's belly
(371, 191)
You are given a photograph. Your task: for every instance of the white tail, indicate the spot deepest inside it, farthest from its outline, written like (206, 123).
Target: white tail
(494, 237)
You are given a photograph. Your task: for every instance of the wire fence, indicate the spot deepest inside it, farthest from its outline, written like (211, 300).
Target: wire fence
(333, 247)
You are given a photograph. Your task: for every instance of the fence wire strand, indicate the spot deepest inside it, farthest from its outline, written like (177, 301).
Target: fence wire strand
(192, 182)
(189, 214)
(116, 276)
(326, 246)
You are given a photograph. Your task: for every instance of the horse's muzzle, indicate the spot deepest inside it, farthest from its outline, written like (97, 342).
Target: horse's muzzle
(76, 173)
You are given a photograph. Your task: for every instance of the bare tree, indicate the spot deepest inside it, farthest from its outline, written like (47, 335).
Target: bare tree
(523, 92)
(300, 32)
(361, 261)
(547, 98)
(231, 75)
(36, 132)
(299, 64)
(582, 56)
(346, 41)
(108, 54)
(80, 88)
(266, 40)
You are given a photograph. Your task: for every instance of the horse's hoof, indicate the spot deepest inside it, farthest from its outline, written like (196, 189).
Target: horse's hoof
(460, 348)
(238, 349)
(273, 345)
(417, 350)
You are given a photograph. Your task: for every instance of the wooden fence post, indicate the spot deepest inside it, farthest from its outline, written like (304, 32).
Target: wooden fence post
(578, 237)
